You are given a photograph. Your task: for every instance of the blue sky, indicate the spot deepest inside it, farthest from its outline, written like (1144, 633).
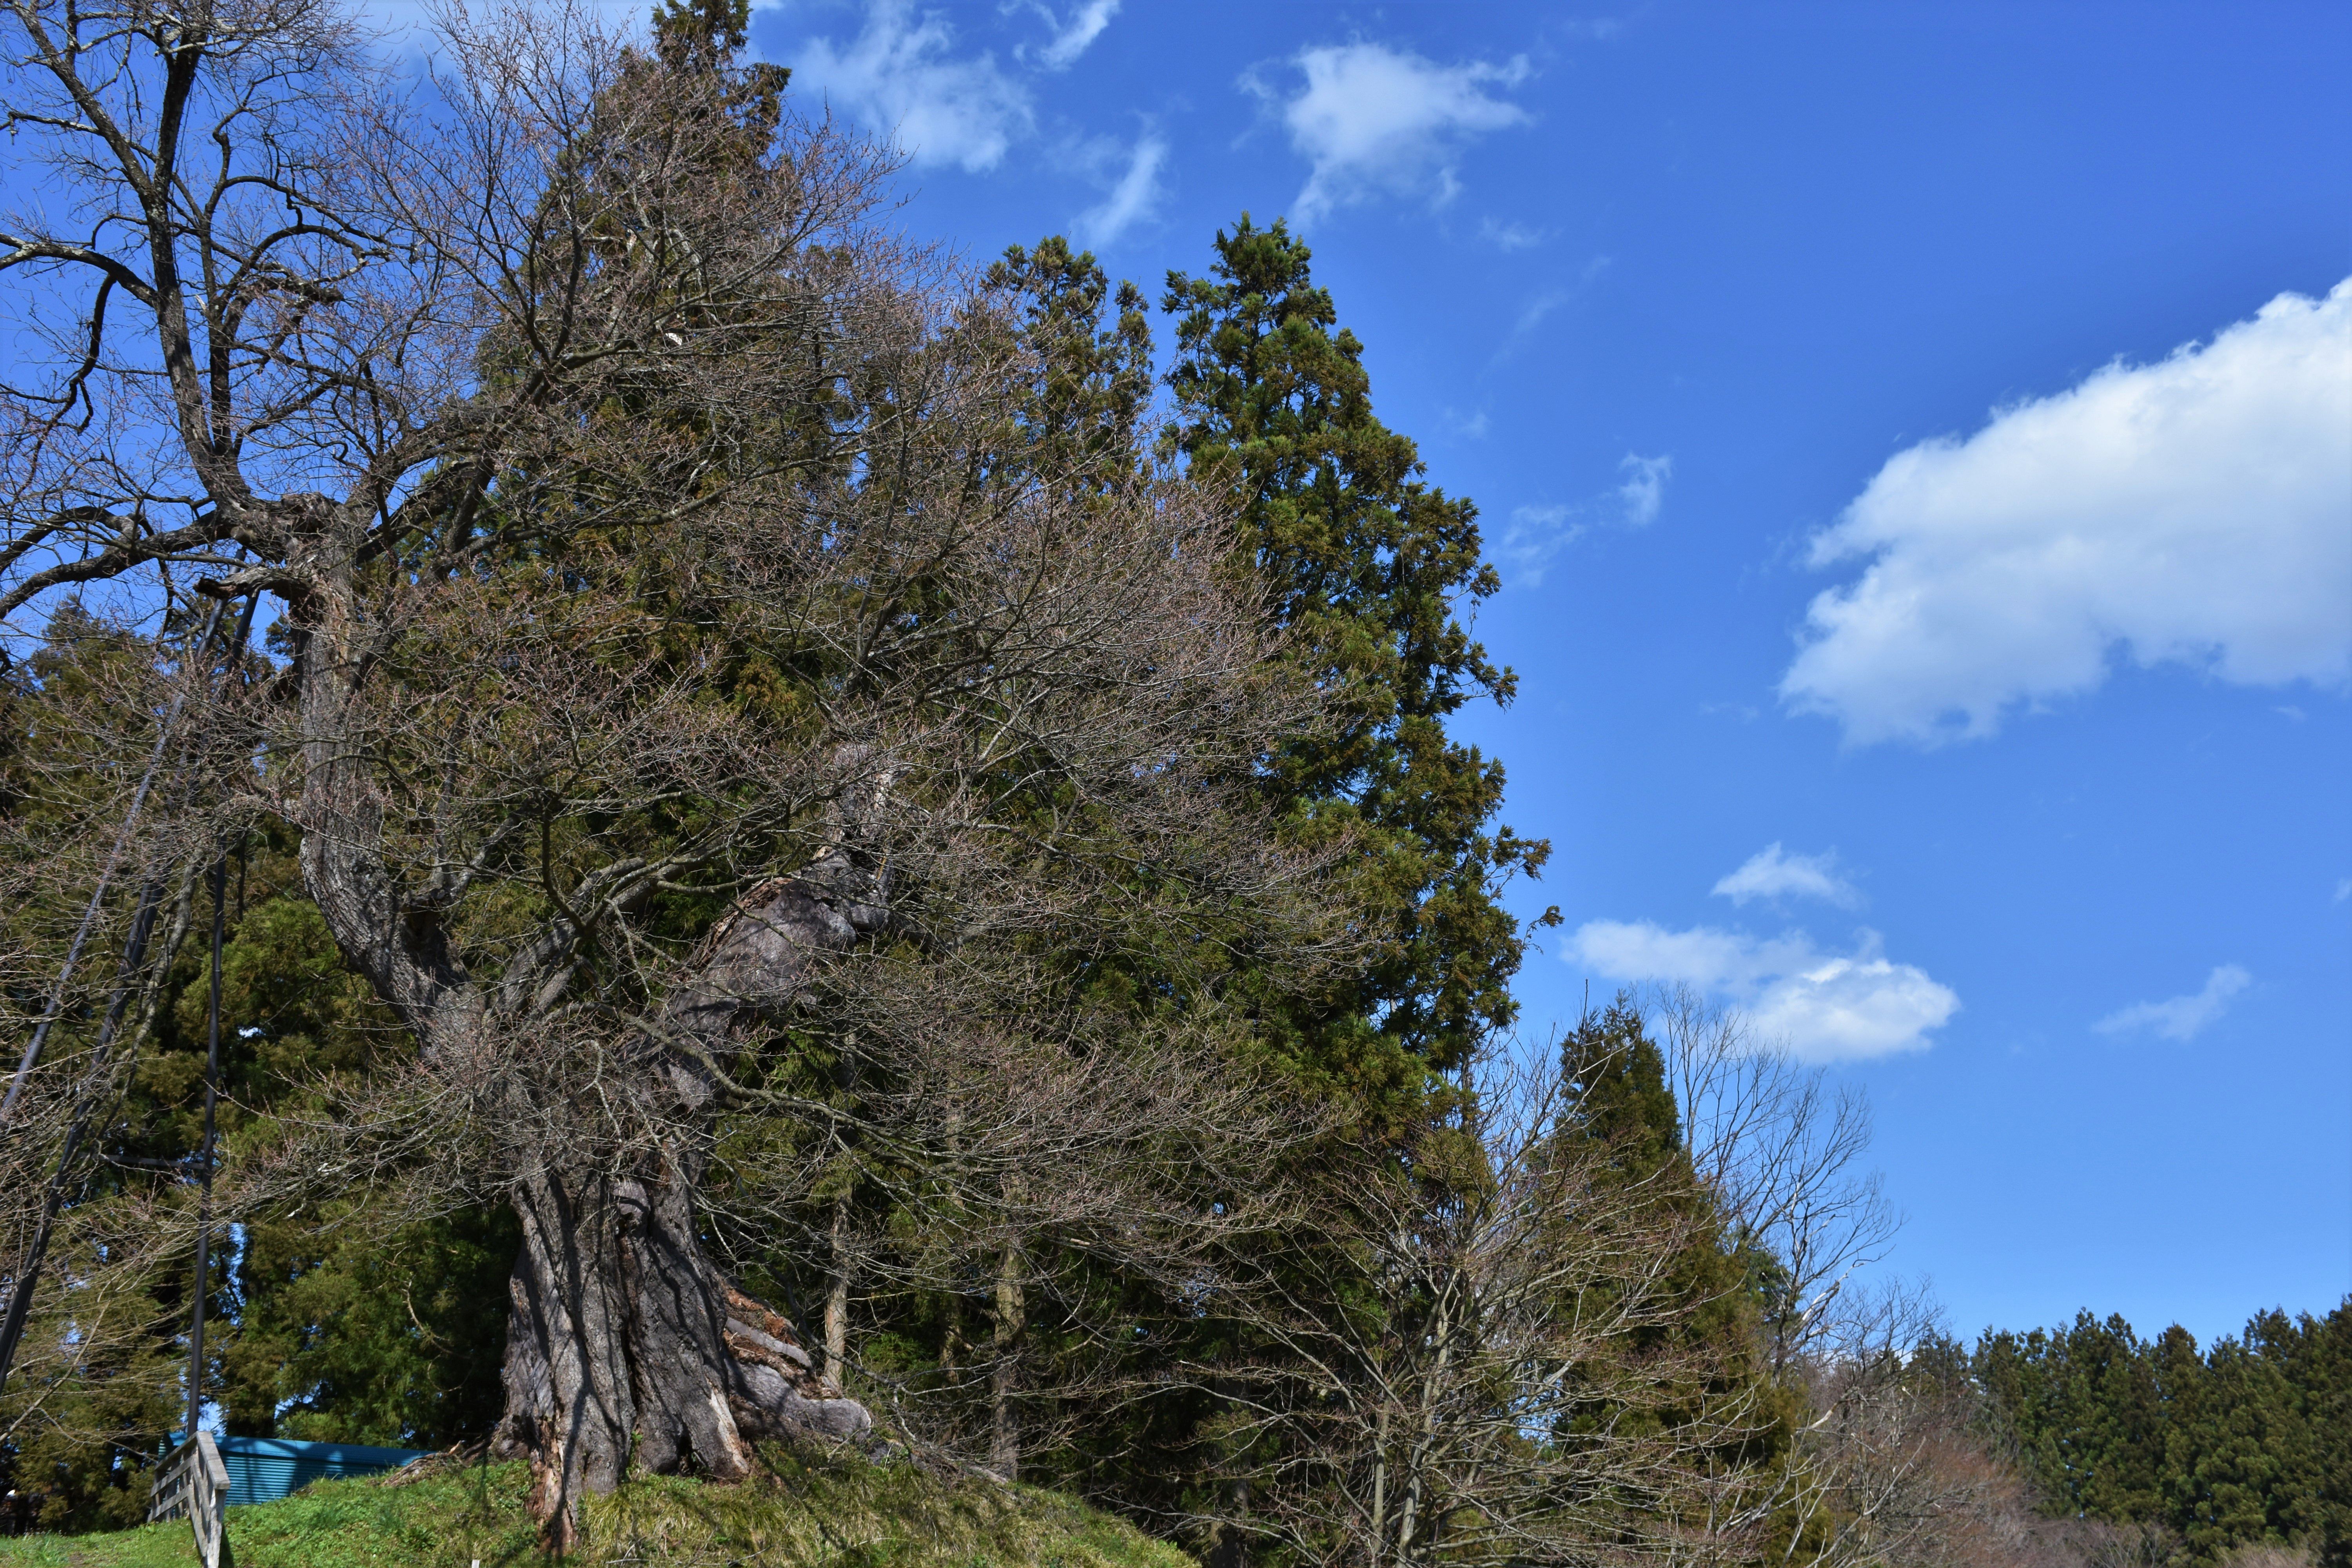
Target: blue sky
(1918, 445)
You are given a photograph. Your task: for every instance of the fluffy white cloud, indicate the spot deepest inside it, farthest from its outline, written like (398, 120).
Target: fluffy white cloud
(1824, 1006)
(2182, 1017)
(1134, 197)
(898, 76)
(1375, 120)
(1853, 1009)
(1071, 38)
(1536, 534)
(2197, 510)
(1771, 873)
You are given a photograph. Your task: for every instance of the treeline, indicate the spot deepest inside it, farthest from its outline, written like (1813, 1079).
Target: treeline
(2246, 1442)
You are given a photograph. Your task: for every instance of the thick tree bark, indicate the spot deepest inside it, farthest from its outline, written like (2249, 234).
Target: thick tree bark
(626, 1348)
(626, 1345)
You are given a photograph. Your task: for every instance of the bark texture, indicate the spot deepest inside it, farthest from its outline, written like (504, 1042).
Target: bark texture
(626, 1344)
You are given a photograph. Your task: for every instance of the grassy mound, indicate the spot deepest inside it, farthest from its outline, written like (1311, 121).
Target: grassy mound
(811, 1514)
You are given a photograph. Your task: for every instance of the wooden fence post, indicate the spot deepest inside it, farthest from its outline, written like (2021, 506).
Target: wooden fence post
(194, 1485)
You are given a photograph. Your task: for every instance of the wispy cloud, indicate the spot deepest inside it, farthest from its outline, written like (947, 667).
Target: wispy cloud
(1508, 236)
(1534, 539)
(1541, 306)
(1824, 1006)
(1072, 36)
(1544, 306)
(1772, 873)
(1644, 489)
(1536, 534)
(1134, 197)
(901, 77)
(1373, 121)
(2182, 1017)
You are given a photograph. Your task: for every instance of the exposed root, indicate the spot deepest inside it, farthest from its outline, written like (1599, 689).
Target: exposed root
(779, 1392)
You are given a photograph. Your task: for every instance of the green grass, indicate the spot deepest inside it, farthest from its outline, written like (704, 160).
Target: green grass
(812, 1512)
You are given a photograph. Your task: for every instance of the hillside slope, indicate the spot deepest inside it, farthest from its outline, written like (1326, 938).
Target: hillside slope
(812, 1513)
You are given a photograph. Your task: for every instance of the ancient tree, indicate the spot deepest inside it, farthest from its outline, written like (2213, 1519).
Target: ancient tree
(685, 646)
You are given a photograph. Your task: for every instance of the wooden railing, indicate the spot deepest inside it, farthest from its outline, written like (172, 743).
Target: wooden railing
(194, 1485)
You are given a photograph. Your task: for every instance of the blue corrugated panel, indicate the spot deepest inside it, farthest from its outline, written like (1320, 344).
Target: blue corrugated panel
(262, 1470)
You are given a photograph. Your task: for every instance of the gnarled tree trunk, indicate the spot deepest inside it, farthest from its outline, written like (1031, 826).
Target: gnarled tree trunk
(626, 1344)
(626, 1347)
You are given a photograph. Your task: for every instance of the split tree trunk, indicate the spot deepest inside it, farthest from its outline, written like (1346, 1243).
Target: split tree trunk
(626, 1345)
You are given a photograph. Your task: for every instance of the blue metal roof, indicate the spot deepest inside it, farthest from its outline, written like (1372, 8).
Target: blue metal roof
(262, 1470)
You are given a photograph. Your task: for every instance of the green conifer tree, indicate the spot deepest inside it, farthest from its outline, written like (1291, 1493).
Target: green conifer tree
(2239, 1445)
(1364, 563)
(1711, 1343)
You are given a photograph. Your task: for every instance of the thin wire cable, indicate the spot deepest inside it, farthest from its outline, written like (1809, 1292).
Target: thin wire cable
(95, 1081)
(49, 1015)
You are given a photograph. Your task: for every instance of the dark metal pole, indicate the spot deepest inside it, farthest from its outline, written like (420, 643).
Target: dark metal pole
(204, 1166)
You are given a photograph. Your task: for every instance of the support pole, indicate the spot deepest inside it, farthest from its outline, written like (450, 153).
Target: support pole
(205, 1161)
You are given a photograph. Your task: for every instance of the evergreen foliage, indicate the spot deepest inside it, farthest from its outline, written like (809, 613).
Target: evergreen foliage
(2247, 1443)
(342, 1323)
(1617, 1075)
(1365, 564)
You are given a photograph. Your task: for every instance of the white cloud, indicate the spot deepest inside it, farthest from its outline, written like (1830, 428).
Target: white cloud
(2344, 889)
(1507, 237)
(1770, 873)
(898, 76)
(1644, 489)
(2183, 1016)
(1135, 197)
(1071, 38)
(1824, 1006)
(2198, 511)
(1537, 534)
(1372, 119)
(1704, 956)
(1541, 306)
